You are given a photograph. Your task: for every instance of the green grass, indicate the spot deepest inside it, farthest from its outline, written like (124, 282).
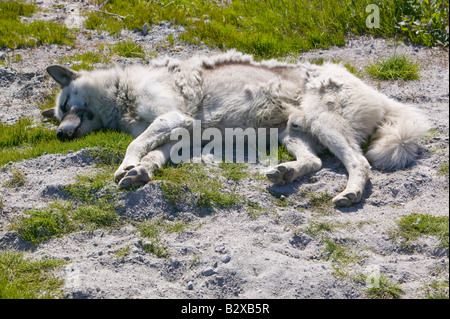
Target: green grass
(399, 66)
(234, 171)
(437, 290)
(270, 28)
(16, 34)
(63, 217)
(17, 179)
(383, 289)
(193, 183)
(23, 278)
(153, 230)
(443, 168)
(413, 226)
(127, 49)
(337, 253)
(85, 61)
(26, 140)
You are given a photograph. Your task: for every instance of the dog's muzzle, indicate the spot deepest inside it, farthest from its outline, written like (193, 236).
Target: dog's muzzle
(67, 129)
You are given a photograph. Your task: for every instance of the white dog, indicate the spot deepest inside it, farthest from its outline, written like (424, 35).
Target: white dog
(314, 107)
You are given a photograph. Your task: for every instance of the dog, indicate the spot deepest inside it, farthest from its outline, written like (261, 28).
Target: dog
(314, 107)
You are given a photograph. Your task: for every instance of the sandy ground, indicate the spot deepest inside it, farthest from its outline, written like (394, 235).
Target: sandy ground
(227, 253)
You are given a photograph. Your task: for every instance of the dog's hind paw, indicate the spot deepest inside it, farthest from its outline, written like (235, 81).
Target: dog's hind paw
(137, 176)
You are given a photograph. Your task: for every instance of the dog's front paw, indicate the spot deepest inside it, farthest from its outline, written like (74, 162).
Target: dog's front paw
(121, 172)
(281, 174)
(347, 198)
(136, 176)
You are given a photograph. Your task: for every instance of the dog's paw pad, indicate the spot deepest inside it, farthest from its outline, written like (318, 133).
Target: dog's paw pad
(280, 175)
(136, 177)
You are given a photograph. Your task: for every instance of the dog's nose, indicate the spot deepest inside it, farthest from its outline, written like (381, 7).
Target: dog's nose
(59, 134)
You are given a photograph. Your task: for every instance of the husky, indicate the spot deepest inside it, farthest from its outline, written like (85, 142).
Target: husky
(314, 107)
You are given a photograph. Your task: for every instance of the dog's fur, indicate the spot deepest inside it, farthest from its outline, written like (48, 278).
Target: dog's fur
(314, 107)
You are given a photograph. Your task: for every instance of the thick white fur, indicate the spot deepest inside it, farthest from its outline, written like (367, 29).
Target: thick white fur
(313, 106)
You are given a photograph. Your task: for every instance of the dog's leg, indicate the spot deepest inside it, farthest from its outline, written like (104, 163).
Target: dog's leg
(142, 173)
(156, 134)
(299, 145)
(335, 133)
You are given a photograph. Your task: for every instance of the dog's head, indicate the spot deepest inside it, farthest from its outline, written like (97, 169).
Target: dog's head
(73, 104)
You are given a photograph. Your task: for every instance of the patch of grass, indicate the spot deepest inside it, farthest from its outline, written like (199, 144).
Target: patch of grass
(100, 214)
(193, 183)
(443, 168)
(86, 60)
(127, 49)
(318, 228)
(28, 140)
(88, 186)
(319, 202)
(16, 34)
(43, 224)
(122, 252)
(23, 278)
(437, 290)
(284, 155)
(234, 171)
(153, 230)
(383, 289)
(17, 179)
(337, 253)
(399, 66)
(63, 217)
(271, 29)
(413, 226)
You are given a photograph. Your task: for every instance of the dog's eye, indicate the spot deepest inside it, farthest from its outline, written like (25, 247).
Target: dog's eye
(64, 106)
(89, 115)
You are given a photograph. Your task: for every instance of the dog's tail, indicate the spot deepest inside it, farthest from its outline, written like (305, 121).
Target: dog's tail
(395, 143)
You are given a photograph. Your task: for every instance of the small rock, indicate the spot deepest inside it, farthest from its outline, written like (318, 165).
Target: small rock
(145, 29)
(208, 272)
(190, 285)
(226, 259)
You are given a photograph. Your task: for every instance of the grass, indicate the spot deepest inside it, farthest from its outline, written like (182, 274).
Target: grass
(192, 183)
(16, 34)
(413, 226)
(17, 179)
(399, 66)
(28, 140)
(22, 278)
(443, 168)
(85, 61)
(90, 206)
(337, 253)
(271, 29)
(63, 217)
(383, 289)
(153, 229)
(437, 290)
(127, 49)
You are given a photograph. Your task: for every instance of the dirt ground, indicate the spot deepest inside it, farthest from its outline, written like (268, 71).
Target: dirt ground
(228, 253)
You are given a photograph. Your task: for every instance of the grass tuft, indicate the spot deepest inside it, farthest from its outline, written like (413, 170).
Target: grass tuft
(22, 278)
(16, 34)
(413, 226)
(399, 66)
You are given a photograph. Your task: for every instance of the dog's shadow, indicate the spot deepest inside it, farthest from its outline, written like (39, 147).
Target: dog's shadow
(305, 184)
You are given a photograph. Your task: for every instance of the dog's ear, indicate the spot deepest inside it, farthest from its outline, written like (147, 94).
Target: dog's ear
(49, 113)
(61, 74)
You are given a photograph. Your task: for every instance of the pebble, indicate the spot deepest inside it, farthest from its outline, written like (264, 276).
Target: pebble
(208, 272)
(145, 29)
(190, 285)
(226, 259)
